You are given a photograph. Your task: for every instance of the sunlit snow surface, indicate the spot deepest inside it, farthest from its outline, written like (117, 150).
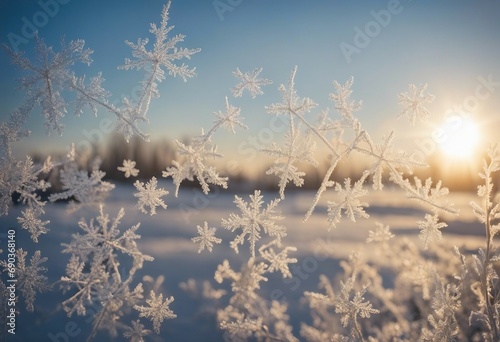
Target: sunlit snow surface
(167, 237)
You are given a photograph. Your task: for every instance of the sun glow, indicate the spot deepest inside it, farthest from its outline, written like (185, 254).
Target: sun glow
(459, 138)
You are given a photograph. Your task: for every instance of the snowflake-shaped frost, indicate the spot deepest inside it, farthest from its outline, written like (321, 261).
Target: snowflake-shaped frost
(381, 234)
(294, 151)
(136, 332)
(414, 102)
(253, 220)
(49, 76)
(425, 193)
(22, 177)
(242, 329)
(349, 202)
(163, 55)
(383, 154)
(244, 283)
(31, 221)
(87, 189)
(149, 196)
(430, 229)
(95, 274)
(230, 118)
(352, 308)
(29, 277)
(291, 104)
(206, 237)
(128, 168)
(195, 163)
(250, 82)
(157, 311)
(278, 261)
(343, 103)
(100, 239)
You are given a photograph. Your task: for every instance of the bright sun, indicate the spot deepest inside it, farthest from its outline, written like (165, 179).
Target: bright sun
(459, 138)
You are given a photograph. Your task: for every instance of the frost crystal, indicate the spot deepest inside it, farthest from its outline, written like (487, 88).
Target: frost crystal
(278, 262)
(136, 332)
(343, 103)
(31, 221)
(46, 79)
(195, 156)
(244, 283)
(195, 164)
(207, 237)
(29, 277)
(381, 234)
(349, 202)
(430, 229)
(22, 177)
(425, 193)
(157, 311)
(100, 239)
(230, 118)
(128, 168)
(294, 151)
(250, 82)
(291, 104)
(87, 189)
(253, 220)
(242, 329)
(164, 54)
(445, 303)
(149, 196)
(352, 308)
(95, 275)
(414, 102)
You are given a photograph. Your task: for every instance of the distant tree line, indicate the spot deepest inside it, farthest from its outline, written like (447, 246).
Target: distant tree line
(154, 157)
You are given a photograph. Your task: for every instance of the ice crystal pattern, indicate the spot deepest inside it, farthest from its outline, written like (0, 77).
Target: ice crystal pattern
(157, 310)
(136, 332)
(286, 158)
(95, 273)
(230, 118)
(87, 189)
(250, 82)
(206, 237)
(278, 261)
(414, 102)
(430, 229)
(149, 196)
(163, 55)
(351, 308)
(128, 168)
(30, 277)
(30, 220)
(350, 202)
(195, 155)
(195, 163)
(253, 220)
(49, 76)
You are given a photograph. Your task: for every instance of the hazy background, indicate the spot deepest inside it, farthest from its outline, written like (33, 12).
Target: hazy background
(448, 44)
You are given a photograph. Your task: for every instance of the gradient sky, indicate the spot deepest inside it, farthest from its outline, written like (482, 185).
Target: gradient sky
(447, 44)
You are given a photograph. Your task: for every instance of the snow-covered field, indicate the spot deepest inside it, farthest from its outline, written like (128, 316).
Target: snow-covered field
(167, 237)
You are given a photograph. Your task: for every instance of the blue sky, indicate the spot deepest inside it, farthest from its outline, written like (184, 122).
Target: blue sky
(449, 45)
